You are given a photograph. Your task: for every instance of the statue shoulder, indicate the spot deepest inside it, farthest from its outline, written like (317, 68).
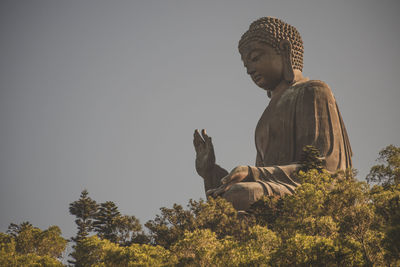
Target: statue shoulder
(316, 88)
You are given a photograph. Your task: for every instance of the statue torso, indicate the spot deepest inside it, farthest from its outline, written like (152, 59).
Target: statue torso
(294, 119)
(273, 133)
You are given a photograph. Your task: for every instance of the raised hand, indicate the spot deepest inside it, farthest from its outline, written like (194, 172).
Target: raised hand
(205, 156)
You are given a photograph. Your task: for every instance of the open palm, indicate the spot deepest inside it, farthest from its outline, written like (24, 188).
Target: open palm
(205, 156)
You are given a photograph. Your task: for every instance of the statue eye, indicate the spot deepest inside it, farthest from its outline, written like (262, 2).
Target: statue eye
(255, 57)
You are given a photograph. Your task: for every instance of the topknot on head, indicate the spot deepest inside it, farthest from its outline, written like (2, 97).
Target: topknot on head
(272, 31)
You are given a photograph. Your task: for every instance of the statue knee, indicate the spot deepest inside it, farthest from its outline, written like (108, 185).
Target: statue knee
(242, 195)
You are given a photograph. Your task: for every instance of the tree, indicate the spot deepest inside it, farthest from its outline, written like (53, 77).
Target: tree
(102, 252)
(387, 173)
(129, 231)
(168, 227)
(24, 234)
(328, 221)
(30, 239)
(197, 248)
(120, 229)
(385, 195)
(15, 229)
(331, 220)
(84, 210)
(218, 215)
(311, 159)
(26, 245)
(202, 247)
(106, 218)
(387, 207)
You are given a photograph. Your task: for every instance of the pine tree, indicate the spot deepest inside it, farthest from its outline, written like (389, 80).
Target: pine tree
(105, 221)
(84, 209)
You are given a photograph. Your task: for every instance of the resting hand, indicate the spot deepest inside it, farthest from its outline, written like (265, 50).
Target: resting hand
(237, 175)
(205, 156)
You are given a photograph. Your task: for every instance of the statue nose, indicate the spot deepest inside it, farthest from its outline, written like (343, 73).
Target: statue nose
(249, 68)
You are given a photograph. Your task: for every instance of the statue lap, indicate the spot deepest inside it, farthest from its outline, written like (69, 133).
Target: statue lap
(242, 195)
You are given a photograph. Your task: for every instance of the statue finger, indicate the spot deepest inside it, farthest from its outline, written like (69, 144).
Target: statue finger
(197, 140)
(207, 139)
(220, 190)
(226, 179)
(235, 176)
(197, 136)
(204, 134)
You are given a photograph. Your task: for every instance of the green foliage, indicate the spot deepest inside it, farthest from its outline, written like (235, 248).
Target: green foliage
(331, 220)
(168, 227)
(30, 259)
(26, 245)
(267, 210)
(306, 250)
(84, 209)
(202, 247)
(29, 239)
(106, 221)
(218, 215)
(129, 230)
(199, 247)
(311, 159)
(387, 173)
(97, 252)
(105, 224)
(256, 249)
(386, 201)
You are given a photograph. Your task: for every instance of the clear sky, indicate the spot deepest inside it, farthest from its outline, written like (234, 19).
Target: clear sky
(106, 95)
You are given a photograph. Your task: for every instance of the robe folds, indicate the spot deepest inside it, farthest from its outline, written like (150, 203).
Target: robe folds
(306, 113)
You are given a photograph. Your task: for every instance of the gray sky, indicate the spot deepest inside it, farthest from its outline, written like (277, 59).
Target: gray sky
(106, 95)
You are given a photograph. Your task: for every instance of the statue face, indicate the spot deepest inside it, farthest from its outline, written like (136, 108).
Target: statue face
(263, 64)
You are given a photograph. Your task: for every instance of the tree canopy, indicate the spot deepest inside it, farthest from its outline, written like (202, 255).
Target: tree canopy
(331, 220)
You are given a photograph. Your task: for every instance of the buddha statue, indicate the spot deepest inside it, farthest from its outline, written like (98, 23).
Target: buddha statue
(301, 112)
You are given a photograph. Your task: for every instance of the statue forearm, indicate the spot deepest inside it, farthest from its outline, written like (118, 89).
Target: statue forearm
(282, 173)
(213, 177)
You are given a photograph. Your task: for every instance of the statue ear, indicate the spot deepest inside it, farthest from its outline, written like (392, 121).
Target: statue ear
(286, 49)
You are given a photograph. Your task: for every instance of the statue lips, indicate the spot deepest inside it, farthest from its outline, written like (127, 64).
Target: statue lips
(257, 78)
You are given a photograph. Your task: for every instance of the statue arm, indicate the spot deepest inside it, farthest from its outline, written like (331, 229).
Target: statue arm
(258, 159)
(276, 180)
(319, 123)
(212, 179)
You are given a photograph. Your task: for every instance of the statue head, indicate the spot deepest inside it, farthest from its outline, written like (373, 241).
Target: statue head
(271, 50)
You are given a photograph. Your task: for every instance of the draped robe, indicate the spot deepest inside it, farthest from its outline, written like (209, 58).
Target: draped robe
(304, 114)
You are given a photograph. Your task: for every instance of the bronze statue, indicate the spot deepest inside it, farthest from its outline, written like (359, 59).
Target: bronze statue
(301, 112)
